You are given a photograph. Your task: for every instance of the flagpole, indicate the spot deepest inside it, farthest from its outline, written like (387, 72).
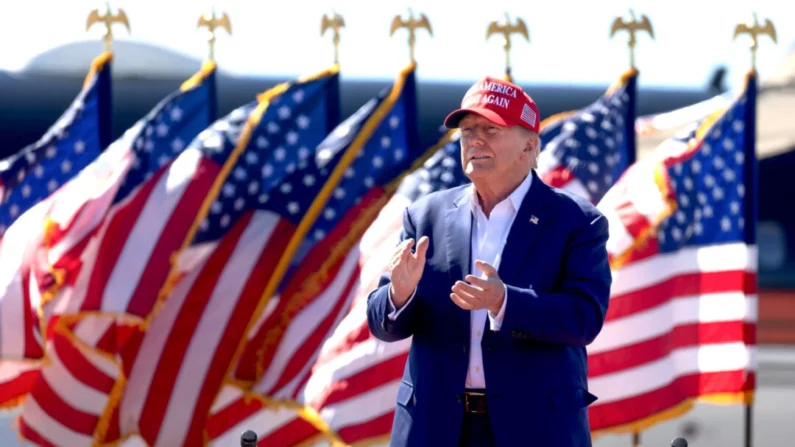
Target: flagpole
(632, 27)
(753, 29)
(749, 423)
(334, 22)
(213, 22)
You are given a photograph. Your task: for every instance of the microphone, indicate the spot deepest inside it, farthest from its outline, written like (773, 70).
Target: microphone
(679, 442)
(249, 439)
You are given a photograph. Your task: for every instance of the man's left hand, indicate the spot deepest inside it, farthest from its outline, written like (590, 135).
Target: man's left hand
(480, 293)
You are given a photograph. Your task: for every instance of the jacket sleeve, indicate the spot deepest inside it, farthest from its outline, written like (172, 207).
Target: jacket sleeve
(379, 306)
(575, 314)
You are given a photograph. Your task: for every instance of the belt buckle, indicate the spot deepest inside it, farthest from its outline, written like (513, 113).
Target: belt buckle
(466, 401)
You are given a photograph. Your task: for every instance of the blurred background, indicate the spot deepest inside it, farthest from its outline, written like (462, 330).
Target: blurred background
(569, 62)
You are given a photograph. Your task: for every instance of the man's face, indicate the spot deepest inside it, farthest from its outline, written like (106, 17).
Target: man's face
(493, 152)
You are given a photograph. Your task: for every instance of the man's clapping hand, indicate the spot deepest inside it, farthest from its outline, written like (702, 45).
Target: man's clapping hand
(480, 293)
(406, 269)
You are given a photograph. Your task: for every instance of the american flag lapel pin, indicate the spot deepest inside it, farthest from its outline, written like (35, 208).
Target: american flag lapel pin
(533, 220)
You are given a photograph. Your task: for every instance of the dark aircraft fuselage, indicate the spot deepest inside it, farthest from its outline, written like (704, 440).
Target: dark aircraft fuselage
(31, 103)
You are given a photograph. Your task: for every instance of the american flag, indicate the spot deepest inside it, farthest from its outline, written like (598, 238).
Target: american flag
(528, 115)
(349, 393)
(266, 174)
(69, 394)
(74, 141)
(587, 150)
(682, 315)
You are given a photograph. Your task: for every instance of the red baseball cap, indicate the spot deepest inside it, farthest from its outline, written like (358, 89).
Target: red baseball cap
(499, 101)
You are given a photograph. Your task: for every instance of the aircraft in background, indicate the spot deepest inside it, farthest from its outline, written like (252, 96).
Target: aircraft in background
(34, 98)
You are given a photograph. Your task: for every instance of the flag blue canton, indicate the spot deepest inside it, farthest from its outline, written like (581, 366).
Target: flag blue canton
(596, 144)
(167, 130)
(441, 171)
(388, 128)
(74, 141)
(390, 150)
(709, 186)
(276, 171)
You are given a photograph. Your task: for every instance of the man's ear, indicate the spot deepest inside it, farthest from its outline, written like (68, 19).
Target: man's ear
(532, 142)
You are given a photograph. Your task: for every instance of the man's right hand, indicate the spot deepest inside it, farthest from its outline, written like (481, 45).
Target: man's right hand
(406, 269)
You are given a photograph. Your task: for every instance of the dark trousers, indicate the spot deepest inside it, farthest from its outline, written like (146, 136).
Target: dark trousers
(476, 431)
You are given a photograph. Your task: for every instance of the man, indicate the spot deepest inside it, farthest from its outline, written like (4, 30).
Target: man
(502, 283)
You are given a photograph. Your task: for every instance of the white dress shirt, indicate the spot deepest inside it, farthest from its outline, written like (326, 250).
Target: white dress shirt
(488, 240)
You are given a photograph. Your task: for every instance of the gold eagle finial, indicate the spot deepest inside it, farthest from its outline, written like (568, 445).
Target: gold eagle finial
(213, 22)
(632, 26)
(754, 30)
(335, 22)
(108, 19)
(411, 24)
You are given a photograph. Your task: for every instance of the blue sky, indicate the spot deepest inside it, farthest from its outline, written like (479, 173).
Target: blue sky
(569, 40)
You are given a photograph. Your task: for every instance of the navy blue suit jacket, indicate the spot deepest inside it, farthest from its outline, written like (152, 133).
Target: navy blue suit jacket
(556, 271)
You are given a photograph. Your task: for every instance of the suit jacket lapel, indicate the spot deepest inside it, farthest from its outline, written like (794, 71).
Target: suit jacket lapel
(458, 241)
(529, 220)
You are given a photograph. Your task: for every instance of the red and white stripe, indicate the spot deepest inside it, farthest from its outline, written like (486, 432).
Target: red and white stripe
(70, 392)
(680, 325)
(126, 261)
(16, 381)
(189, 344)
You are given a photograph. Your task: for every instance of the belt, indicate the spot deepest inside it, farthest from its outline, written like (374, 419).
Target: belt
(475, 402)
